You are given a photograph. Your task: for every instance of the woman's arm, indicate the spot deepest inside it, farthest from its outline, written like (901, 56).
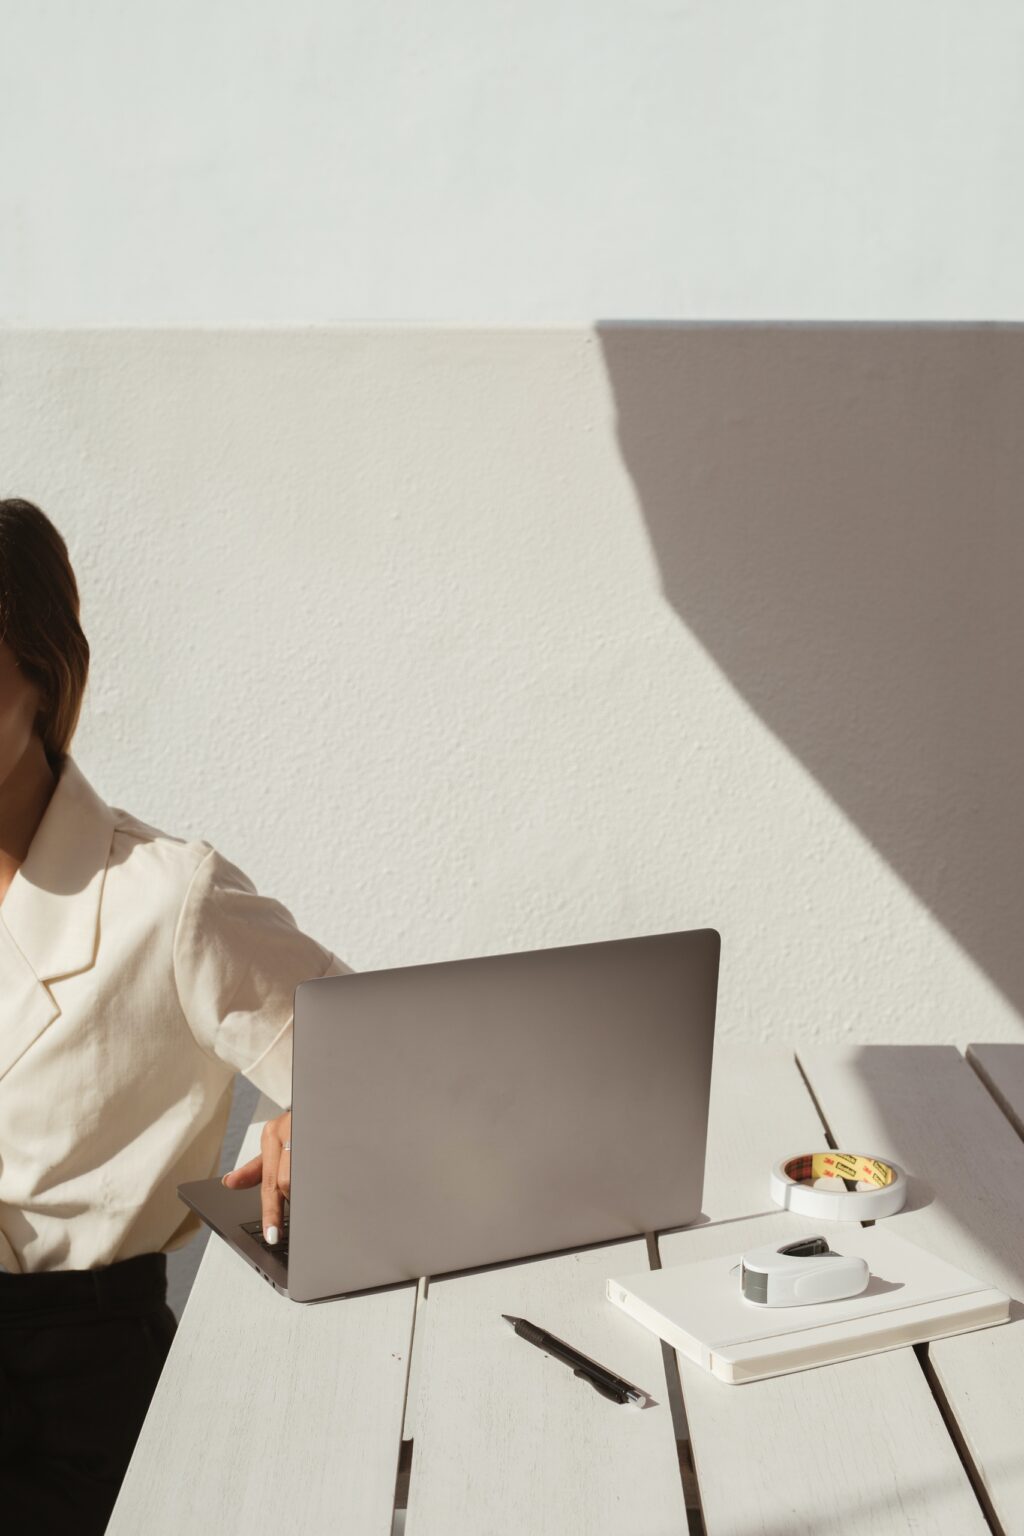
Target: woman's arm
(238, 957)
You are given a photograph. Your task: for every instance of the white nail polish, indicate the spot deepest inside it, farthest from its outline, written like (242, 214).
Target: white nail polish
(271, 1235)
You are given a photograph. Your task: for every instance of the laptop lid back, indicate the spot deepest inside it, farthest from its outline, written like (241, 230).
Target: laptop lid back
(470, 1112)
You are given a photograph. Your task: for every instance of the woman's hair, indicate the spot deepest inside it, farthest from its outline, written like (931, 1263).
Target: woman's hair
(39, 620)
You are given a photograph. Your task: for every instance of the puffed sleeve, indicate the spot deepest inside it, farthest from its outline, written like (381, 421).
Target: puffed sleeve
(238, 958)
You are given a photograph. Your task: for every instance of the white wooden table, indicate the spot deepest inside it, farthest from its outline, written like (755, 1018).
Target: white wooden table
(418, 1409)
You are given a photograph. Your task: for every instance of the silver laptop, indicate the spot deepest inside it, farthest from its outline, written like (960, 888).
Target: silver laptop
(473, 1112)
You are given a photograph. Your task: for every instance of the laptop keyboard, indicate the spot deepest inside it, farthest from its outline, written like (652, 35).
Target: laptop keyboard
(278, 1249)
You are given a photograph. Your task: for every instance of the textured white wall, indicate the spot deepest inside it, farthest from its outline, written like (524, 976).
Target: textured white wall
(465, 641)
(222, 161)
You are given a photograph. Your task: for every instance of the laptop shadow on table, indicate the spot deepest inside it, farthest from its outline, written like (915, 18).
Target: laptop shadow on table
(536, 1258)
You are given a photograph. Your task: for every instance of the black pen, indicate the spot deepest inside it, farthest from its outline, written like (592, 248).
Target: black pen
(603, 1381)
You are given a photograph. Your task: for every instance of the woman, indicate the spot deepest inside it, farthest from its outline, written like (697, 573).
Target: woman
(138, 973)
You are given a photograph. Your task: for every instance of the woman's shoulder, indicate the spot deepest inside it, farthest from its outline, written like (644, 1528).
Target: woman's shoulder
(146, 872)
(140, 850)
(113, 835)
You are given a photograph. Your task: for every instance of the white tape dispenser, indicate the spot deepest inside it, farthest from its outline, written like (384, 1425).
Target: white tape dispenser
(800, 1273)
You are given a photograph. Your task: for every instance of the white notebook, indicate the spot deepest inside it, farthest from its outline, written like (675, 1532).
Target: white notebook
(912, 1295)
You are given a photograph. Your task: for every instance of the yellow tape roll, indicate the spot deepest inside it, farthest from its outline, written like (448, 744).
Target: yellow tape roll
(793, 1186)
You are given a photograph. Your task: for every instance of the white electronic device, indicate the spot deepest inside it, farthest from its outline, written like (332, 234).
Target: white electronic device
(800, 1273)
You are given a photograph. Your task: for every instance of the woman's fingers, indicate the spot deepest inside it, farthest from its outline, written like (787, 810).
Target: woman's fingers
(272, 1206)
(271, 1169)
(247, 1175)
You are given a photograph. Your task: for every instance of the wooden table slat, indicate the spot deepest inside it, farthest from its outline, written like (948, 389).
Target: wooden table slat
(271, 1416)
(508, 1440)
(1001, 1068)
(760, 1111)
(851, 1449)
(926, 1108)
(854, 1448)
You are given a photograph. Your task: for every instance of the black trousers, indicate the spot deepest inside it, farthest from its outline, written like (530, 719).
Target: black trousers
(81, 1351)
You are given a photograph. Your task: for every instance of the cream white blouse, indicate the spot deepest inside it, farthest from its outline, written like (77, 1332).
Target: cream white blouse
(138, 973)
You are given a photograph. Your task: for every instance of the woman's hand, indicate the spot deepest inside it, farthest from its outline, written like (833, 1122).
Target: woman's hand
(272, 1168)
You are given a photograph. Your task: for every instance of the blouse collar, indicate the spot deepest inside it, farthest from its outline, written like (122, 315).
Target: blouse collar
(51, 909)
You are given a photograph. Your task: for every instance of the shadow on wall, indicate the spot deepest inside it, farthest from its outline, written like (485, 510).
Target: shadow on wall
(837, 516)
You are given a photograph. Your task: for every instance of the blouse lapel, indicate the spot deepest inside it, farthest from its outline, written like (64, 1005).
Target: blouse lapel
(51, 910)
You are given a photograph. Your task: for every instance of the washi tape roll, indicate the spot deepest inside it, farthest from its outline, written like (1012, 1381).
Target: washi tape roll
(794, 1189)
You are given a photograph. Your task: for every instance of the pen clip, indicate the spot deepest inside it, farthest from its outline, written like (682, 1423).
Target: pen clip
(614, 1393)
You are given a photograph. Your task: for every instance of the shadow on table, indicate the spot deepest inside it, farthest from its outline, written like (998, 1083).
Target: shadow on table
(926, 1107)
